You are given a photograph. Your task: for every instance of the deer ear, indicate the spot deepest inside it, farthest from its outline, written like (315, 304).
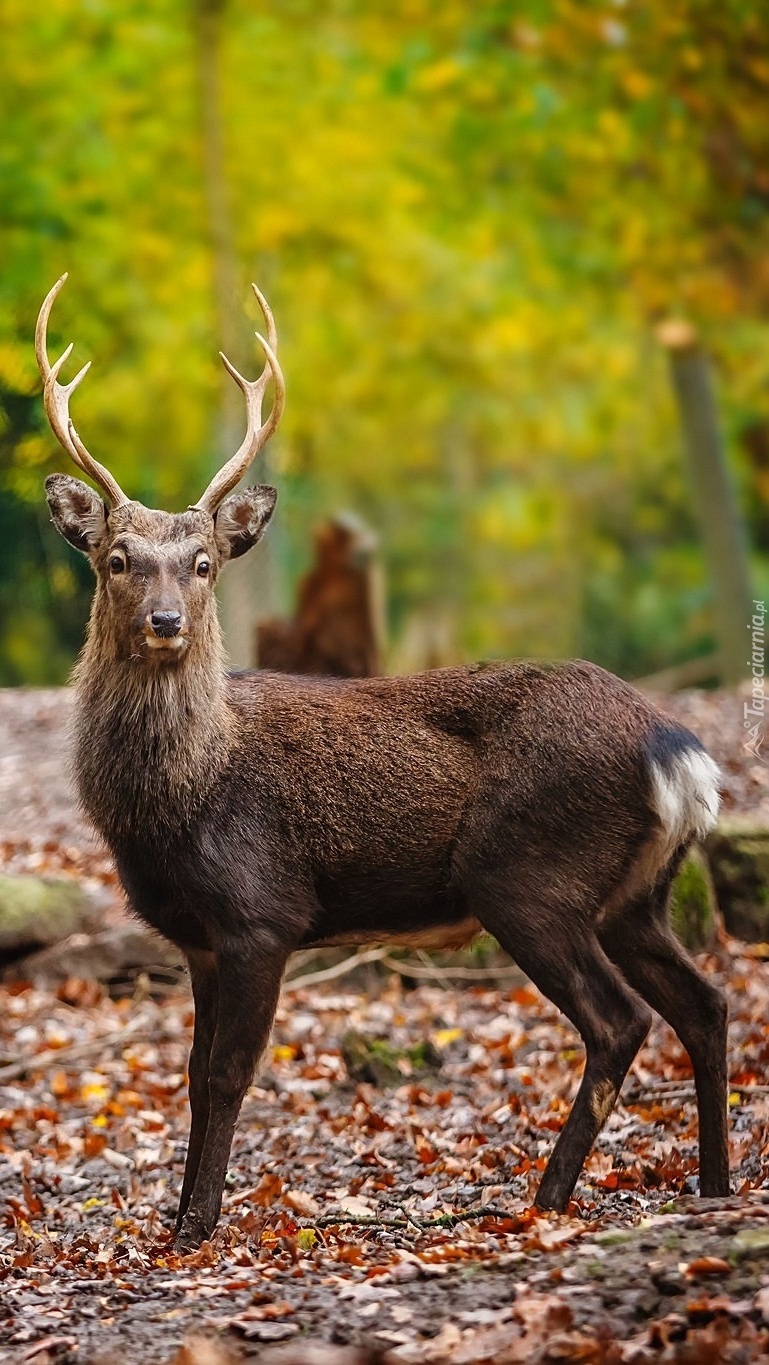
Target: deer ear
(243, 518)
(78, 513)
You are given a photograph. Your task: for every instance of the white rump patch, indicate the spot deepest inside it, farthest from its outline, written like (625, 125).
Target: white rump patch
(685, 796)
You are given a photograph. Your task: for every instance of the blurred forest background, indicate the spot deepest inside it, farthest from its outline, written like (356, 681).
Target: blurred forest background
(470, 221)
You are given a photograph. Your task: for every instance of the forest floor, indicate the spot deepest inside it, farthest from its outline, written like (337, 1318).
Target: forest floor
(364, 1222)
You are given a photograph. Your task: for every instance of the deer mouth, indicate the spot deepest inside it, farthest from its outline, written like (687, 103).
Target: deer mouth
(173, 644)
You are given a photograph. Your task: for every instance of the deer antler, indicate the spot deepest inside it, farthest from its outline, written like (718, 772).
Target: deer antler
(256, 435)
(56, 400)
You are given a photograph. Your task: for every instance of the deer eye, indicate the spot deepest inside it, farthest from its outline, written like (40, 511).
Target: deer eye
(202, 566)
(117, 563)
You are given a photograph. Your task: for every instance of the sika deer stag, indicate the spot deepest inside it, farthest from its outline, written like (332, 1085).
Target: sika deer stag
(252, 815)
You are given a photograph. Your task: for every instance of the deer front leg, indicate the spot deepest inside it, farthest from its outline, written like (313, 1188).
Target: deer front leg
(203, 976)
(248, 985)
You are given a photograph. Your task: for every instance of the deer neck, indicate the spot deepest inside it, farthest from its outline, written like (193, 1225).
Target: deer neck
(150, 740)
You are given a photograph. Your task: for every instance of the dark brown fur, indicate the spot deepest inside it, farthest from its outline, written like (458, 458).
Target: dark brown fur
(252, 815)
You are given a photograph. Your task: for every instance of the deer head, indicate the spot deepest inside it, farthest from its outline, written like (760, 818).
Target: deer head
(156, 570)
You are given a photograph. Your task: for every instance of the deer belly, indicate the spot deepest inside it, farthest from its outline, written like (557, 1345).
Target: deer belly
(435, 937)
(373, 910)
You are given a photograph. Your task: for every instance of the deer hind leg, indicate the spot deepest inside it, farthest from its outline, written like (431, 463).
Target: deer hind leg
(565, 960)
(640, 941)
(248, 985)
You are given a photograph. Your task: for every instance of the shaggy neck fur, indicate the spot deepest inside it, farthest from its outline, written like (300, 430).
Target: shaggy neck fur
(152, 736)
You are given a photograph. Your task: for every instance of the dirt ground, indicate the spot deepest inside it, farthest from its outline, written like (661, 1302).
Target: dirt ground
(364, 1221)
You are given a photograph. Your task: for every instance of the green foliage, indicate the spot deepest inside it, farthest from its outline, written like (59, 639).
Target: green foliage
(468, 221)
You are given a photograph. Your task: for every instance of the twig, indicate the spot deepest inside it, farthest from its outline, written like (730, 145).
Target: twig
(348, 964)
(140, 1032)
(652, 1092)
(444, 1220)
(691, 673)
(675, 1090)
(403, 968)
(662, 1085)
(410, 1219)
(409, 968)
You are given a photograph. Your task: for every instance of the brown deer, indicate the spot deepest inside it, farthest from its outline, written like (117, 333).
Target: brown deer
(253, 814)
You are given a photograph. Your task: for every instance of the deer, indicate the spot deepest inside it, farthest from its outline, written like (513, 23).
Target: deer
(253, 814)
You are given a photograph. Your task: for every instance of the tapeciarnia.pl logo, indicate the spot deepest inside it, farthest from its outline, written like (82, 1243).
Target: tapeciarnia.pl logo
(754, 711)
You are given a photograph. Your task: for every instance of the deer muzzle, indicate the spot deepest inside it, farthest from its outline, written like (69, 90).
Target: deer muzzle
(165, 628)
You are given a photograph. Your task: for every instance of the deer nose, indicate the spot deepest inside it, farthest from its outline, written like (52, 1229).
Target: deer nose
(166, 624)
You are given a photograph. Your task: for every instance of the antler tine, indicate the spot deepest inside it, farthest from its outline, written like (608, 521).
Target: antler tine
(257, 434)
(272, 331)
(56, 401)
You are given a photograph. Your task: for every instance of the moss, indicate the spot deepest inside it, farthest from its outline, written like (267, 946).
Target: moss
(615, 1237)
(596, 1269)
(693, 902)
(738, 851)
(425, 1056)
(376, 1061)
(751, 1244)
(41, 910)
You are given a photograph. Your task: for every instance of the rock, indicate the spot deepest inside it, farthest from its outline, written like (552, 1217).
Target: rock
(738, 852)
(35, 911)
(693, 905)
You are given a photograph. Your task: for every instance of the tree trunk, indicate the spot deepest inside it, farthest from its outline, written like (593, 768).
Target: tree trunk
(244, 590)
(714, 497)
